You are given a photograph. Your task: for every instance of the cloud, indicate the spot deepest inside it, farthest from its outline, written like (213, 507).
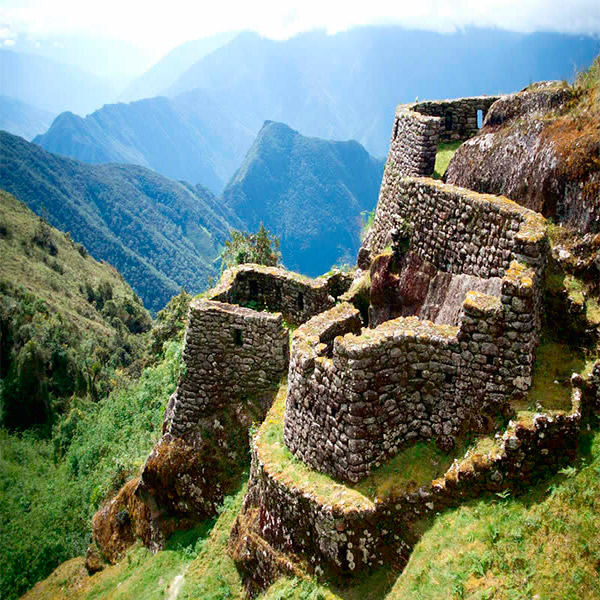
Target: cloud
(158, 26)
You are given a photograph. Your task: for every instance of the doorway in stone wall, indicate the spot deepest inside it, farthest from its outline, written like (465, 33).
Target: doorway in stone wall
(479, 119)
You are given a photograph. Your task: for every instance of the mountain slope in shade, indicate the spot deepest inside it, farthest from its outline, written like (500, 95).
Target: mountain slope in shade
(160, 234)
(187, 138)
(346, 86)
(169, 68)
(51, 85)
(309, 192)
(22, 119)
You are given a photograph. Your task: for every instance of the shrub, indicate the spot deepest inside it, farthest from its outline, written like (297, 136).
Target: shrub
(261, 248)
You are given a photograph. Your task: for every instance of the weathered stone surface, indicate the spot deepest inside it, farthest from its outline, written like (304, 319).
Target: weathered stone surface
(334, 539)
(297, 297)
(529, 152)
(229, 352)
(457, 230)
(118, 524)
(233, 359)
(419, 127)
(410, 379)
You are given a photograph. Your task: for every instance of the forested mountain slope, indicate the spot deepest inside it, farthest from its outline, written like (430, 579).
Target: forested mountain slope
(187, 138)
(309, 192)
(160, 234)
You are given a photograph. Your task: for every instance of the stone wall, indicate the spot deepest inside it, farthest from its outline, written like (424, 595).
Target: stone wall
(595, 386)
(229, 352)
(297, 297)
(419, 127)
(414, 142)
(458, 118)
(457, 230)
(233, 359)
(355, 403)
(338, 538)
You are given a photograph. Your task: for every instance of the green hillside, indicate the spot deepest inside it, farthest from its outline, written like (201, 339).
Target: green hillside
(67, 322)
(543, 544)
(160, 234)
(307, 191)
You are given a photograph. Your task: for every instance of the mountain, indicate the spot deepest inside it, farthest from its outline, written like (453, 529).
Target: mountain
(51, 85)
(187, 138)
(343, 86)
(22, 119)
(346, 86)
(115, 61)
(160, 234)
(60, 311)
(309, 192)
(168, 69)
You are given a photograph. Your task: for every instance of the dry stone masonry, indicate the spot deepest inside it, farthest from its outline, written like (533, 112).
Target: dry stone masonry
(295, 296)
(457, 230)
(339, 538)
(233, 360)
(419, 127)
(460, 119)
(229, 352)
(354, 403)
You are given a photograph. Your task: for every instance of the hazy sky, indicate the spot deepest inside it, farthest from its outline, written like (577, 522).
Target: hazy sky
(157, 27)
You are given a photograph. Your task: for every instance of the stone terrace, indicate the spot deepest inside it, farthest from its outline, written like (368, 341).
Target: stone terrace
(355, 401)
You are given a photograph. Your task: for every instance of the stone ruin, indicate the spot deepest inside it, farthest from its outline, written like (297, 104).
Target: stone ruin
(421, 126)
(236, 351)
(447, 342)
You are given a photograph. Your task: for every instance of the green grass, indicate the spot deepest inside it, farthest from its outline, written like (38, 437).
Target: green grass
(445, 152)
(49, 490)
(544, 544)
(554, 365)
(24, 263)
(413, 467)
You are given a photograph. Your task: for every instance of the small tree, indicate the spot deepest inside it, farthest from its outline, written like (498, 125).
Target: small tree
(261, 248)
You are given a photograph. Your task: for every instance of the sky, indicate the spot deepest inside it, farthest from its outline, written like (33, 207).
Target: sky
(157, 27)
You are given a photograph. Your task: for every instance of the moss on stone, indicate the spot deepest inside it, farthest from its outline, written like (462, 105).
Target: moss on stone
(415, 466)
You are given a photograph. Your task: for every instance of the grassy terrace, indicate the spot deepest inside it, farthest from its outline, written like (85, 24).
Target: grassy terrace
(551, 388)
(416, 466)
(445, 152)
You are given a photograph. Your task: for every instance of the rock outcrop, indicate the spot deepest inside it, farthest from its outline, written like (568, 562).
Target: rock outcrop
(541, 150)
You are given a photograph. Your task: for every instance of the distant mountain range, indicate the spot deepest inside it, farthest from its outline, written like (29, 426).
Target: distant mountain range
(50, 85)
(22, 119)
(187, 138)
(168, 69)
(160, 234)
(346, 86)
(343, 86)
(309, 192)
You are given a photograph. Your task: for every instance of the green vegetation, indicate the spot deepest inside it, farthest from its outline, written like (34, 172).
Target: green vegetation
(309, 192)
(162, 235)
(554, 365)
(368, 218)
(69, 325)
(542, 544)
(49, 489)
(260, 248)
(445, 152)
(415, 466)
